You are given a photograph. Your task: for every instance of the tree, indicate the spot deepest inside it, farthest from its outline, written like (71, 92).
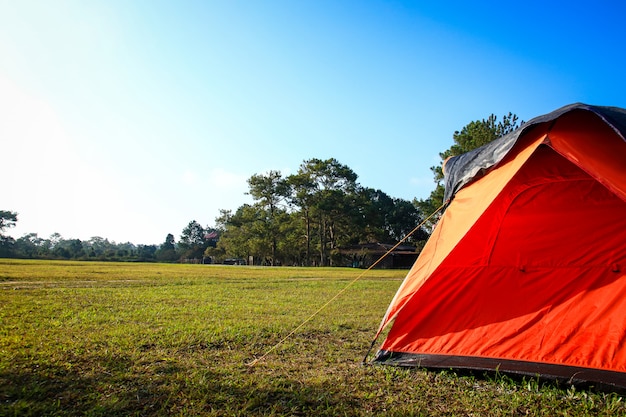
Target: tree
(270, 191)
(377, 206)
(332, 190)
(8, 219)
(97, 247)
(389, 219)
(471, 136)
(243, 235)
(401, 221)
(216, 249)
(167, 250)
(146, 253)
(29, 246)
(292, 245)
(192, 241)
(302, 187)
(69, 249)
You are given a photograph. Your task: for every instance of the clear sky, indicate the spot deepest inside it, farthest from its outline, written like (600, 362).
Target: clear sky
(127, 119)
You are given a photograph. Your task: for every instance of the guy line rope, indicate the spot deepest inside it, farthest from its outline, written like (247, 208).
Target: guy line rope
(308, 319)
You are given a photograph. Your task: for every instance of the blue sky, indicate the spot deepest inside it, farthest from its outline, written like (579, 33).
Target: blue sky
(128, 119)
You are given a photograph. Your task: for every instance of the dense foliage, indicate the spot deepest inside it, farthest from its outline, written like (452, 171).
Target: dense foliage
(7, 220)
(306, 218)
(32, 246)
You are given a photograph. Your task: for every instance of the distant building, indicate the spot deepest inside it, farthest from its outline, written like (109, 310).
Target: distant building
(235, 261)
(366, 254)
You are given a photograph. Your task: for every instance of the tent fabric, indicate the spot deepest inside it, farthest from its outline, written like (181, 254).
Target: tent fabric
(526, 269)
(463, 168)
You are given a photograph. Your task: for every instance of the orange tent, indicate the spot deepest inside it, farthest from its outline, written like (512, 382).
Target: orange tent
(525, 271)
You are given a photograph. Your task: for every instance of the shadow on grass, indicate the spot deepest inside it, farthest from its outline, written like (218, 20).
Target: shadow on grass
(105, 386)
(101, 386)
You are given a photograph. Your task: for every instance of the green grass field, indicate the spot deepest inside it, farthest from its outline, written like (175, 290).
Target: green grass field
(107, 339)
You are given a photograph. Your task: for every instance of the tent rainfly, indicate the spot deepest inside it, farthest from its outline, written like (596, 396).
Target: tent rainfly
(525, 272)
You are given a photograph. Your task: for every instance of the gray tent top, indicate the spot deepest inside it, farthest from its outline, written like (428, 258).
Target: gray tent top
(460, 170)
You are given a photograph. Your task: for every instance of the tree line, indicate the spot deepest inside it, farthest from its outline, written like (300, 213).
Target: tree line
(302, 219)
(308, 218)
(31, 246)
